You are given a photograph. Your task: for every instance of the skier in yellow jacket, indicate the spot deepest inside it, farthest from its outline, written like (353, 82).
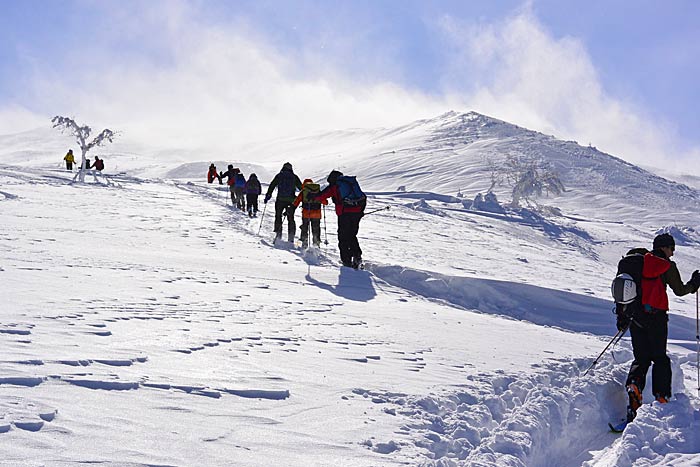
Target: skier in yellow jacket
(70, 160)
(310, 212)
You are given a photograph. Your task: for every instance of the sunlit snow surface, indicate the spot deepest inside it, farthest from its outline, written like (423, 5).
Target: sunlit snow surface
(145, 322)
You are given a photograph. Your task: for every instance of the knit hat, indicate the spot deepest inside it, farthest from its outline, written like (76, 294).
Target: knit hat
(665, 239)
(333, 176)
(287, 166)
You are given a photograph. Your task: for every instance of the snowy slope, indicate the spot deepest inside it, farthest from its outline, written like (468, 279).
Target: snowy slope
(144, 322)
(447, 155)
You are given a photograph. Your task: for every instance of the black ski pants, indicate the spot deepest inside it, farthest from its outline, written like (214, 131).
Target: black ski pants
(252, 204)
(285, 208)
(315, 230)
(649, 334)
(240, 200)
(348, 226)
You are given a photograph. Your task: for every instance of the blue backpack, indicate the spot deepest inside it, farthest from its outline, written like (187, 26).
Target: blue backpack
(350, 192)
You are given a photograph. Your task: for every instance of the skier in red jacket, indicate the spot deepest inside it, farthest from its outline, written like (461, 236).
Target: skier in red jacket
(649, 326)
(349, 216)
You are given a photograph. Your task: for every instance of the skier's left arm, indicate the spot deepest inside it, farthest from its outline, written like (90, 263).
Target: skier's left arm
(326, 193)
(673, 278)
(271, 188)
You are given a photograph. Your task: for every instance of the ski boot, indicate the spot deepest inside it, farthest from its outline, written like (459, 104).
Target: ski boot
(635, 398)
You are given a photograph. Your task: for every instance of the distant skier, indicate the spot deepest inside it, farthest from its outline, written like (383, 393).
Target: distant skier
(649, 324)
(213, 174)
(238, 186)
(252, 190)
(70, 160)
(99, 164)
(350, 203)
(287, 184)
(310, 212)
(230, 175)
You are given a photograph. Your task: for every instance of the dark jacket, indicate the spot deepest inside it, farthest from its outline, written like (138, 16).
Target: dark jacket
(230, 174)
(252, 186)
(286, 197)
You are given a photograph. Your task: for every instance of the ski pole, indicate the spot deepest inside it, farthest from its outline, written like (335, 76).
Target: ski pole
(262, 217)
(325, 232)
(385, 208)
(697, 337)
(613, 341)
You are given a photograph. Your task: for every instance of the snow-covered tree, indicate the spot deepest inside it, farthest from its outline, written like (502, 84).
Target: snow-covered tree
(82, 135)
(530, 178)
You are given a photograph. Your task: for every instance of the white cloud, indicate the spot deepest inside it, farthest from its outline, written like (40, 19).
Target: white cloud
(217, 86)
(518, 72)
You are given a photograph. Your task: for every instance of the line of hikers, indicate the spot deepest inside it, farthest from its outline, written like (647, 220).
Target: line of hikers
(243, 192)
(98, 164)
(347, 196)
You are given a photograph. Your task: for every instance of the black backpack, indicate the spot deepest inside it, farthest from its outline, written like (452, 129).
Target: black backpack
(285, 184)
(626, 288)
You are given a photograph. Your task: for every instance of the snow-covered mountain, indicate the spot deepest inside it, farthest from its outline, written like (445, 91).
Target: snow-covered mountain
(146, 322)
(448, 155)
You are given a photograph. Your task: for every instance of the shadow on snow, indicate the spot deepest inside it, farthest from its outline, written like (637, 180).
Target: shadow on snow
(352, 285)
(538, 305)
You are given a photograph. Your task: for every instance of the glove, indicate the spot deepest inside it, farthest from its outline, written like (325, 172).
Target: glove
(695, 279)
(624, 317)
(267, 198)
(623, 321)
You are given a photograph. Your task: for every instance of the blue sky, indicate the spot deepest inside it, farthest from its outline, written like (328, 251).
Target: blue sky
(622, 75)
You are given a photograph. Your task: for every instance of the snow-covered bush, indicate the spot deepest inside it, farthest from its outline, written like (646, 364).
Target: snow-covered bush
(488, 203)
(82, 134)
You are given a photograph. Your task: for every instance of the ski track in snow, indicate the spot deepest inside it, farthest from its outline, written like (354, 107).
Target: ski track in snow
(159, 311)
